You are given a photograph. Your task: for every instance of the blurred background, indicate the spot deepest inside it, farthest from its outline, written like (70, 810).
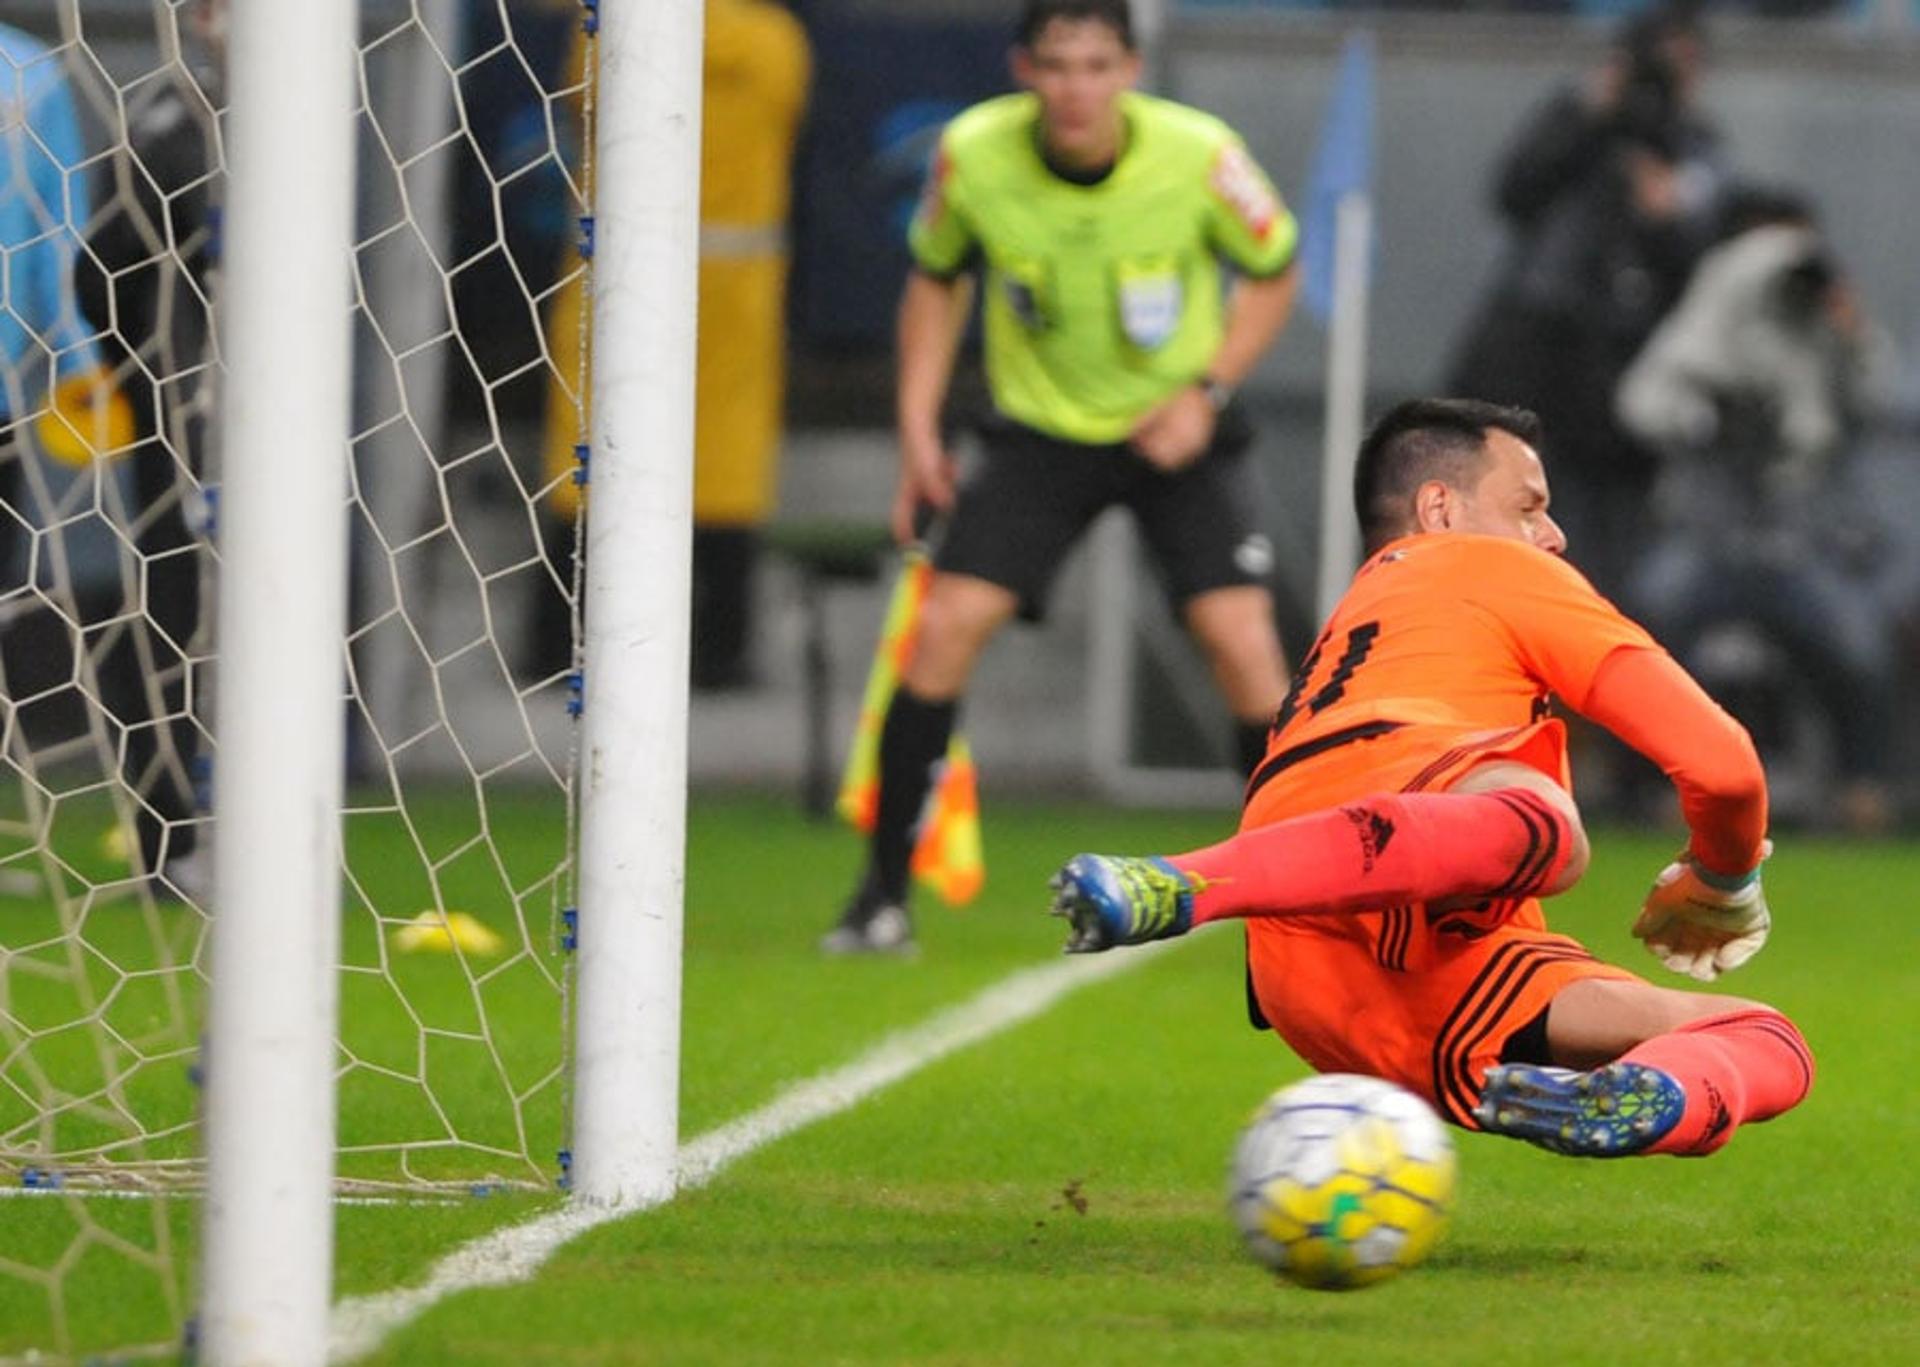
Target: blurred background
(1818, 98)
(473, 142)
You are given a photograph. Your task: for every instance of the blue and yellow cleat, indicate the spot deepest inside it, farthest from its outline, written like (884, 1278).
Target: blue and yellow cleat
(1117, 899)
(1609, 1112)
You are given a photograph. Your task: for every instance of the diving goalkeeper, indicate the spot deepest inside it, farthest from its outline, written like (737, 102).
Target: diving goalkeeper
(1415, 805)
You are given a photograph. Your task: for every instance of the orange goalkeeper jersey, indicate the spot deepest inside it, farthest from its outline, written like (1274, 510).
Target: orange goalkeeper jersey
(1454, 629)
(1449, 639)
(1443, 656)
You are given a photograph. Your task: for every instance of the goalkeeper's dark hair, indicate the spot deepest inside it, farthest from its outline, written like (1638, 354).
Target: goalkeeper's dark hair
(1421, 440)
(1115, 14)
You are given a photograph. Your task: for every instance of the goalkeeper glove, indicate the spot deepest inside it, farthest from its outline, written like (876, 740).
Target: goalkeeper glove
(1703, 923)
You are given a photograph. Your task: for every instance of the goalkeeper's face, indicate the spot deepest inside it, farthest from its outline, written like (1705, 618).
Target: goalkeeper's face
(1079, 68)
(1508, 498)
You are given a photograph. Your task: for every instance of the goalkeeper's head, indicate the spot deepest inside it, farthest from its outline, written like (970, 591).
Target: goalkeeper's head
(1454, 465)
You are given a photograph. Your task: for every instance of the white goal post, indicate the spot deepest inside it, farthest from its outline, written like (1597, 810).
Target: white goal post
(639, 547)
(298, 407)
(268, 1221)
(276, 940)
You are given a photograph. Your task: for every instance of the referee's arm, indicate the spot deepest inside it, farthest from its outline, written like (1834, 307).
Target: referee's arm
(1257, 311)
(933, 314)
(1177, 432)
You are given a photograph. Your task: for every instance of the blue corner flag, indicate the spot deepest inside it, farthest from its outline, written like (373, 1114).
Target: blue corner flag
(1342, 164)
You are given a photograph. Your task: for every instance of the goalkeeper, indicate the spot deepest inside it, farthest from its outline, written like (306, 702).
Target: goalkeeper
(1415, 804)
(1098, 219)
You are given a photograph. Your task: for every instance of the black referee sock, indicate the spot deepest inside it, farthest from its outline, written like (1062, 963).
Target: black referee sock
(912, 741)
(1250, 745)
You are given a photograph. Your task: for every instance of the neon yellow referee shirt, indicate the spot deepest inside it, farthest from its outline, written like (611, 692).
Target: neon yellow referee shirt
(1102, 299)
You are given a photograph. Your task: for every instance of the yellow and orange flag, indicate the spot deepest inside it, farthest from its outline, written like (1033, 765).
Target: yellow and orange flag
(947, 857)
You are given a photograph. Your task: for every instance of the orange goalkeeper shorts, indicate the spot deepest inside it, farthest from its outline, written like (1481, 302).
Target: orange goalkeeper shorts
(1426, 997)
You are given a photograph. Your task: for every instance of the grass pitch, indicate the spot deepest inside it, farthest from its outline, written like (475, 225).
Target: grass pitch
(1053, 1195)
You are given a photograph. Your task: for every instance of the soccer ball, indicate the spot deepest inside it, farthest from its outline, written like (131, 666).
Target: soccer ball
(1341, 1181)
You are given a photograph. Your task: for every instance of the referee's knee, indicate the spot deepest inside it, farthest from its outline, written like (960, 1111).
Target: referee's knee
(957, 618)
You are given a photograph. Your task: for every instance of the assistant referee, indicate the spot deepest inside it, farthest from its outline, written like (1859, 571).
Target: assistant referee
(1097, 220)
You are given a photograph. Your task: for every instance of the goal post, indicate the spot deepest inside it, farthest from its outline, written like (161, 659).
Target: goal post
(270, 1048)
(633, 771)
(278, 548)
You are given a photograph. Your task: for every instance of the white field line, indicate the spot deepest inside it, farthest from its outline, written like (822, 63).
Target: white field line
(514, 1254)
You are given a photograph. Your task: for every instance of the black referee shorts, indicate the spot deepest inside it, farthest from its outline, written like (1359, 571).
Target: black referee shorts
(1030, 496)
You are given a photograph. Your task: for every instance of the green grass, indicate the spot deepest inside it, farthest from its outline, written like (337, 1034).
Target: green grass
(931, 1224)
(460, 1060)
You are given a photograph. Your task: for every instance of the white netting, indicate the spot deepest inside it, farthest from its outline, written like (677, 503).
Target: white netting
(459, 659)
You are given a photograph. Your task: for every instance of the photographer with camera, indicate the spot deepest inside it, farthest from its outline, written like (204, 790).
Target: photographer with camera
(1609, 195)
(1764, 566)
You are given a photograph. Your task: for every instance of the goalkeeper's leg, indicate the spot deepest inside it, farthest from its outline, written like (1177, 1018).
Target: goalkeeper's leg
(1508, 832)
(1737, 1068)
(1505, 831)
(1677, 1072)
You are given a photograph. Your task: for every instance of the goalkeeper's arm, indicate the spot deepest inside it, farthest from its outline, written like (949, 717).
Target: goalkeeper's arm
(1706, 912)
(1651, 703)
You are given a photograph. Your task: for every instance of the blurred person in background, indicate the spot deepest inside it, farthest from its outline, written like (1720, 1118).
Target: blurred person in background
(757, 66)
(145, 283)
(44, 206)
(1608, 194)
(754, 94)
(48, 361)
(1098, 220)
(1751, 391)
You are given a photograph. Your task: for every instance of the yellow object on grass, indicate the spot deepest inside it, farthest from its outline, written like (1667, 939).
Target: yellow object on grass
(116, 844)
(948, 857)
(440, 931)
(86, 419)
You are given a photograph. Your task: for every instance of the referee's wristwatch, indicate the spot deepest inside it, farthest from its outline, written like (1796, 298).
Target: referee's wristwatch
(1218, 392)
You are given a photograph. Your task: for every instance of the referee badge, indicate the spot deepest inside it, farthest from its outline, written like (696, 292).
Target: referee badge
(1025, 285)
(1152, 296)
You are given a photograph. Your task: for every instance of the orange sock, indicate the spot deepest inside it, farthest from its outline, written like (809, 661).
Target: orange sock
(1746, 1066)
(1383, 851)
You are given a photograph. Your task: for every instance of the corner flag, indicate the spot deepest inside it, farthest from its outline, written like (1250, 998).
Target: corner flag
(1338, 254)
(1342, 165)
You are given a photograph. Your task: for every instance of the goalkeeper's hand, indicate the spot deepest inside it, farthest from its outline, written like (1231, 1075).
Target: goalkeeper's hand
(1702, 923)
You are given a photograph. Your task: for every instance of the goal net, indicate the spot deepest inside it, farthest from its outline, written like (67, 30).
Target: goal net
(460, 660)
